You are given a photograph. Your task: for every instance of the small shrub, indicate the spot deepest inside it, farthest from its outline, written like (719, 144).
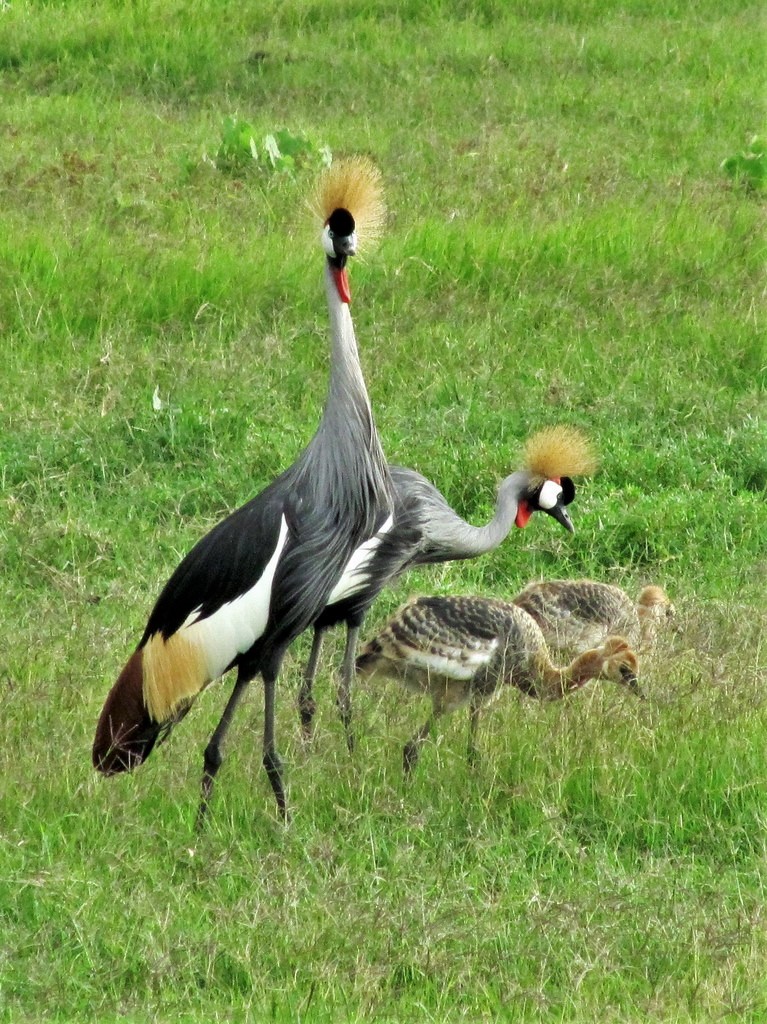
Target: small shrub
(749, 167)
(276, 152)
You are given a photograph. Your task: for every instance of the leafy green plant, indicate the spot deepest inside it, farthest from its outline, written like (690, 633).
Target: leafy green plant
(237, 149)
(749, 167)
(279, 152)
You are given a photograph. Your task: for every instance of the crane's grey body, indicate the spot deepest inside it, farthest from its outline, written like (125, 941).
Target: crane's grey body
(335, 497)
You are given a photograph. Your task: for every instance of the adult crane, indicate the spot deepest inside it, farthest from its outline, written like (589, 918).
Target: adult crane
(427, 530)
(265, 573)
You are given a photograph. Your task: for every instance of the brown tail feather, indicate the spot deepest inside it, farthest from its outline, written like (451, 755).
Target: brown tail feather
(126, 733)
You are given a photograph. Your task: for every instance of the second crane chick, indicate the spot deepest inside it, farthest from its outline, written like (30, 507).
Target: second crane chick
(461, 650)
(577, 614)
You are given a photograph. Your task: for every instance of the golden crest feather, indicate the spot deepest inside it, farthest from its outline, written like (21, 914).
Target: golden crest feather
(559, 451)
(353, 184)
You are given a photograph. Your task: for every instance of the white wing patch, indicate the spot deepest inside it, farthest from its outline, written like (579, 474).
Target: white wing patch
(236, 625)
(452, 662)
(353, 577)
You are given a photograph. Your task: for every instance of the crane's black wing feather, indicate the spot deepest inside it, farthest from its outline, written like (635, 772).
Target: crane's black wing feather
(223, 565)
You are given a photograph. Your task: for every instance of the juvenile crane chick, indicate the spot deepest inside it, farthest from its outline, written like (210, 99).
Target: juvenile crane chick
(577, 614)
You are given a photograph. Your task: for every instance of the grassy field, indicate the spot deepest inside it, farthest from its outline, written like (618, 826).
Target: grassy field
(562, 246)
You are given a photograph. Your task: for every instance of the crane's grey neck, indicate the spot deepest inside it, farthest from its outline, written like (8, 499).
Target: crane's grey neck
(345, 456)
(347, 406)
(345, 370)
(463, 540)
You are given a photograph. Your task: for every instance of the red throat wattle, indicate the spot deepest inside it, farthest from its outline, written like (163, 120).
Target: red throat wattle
(524, 512)
(341, 277)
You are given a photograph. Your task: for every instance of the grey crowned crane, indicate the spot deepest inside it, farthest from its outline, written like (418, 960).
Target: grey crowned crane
(461, 650)
(576, 614)
(427, 530)
(265, 573)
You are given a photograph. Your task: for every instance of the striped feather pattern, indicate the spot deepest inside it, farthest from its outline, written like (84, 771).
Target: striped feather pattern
(462, 650)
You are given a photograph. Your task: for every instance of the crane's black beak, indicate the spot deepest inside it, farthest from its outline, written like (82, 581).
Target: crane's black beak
(560, 513)
(340, 242)
(340, 237)
(550, 497)
(345, 245)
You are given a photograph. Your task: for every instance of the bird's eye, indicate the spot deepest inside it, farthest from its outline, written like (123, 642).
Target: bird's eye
(327, 241)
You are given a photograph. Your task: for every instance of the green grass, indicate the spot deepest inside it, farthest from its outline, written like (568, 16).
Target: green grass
(563, 245)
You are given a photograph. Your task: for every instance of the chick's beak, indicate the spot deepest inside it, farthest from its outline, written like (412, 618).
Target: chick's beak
(631, 681)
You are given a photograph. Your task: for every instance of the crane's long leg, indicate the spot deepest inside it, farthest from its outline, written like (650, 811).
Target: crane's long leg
(472, 755)
(413, 746)
(344, 698)
(272, 761)
(213, 757)
(306, 702)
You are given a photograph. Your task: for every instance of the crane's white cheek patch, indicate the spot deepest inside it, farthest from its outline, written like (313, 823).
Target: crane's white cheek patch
(177, 669)
(354, 578)
(549, 495)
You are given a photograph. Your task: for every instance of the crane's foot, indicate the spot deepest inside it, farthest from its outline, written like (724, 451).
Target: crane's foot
(202, 815)
(212, 761)
(410, 755)
(345, 713)
(307, 707)
(273, 766)
(413, 747)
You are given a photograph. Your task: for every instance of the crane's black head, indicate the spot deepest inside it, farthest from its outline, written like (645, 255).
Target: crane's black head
(340, 237)
(551, 496)
(339, 240)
